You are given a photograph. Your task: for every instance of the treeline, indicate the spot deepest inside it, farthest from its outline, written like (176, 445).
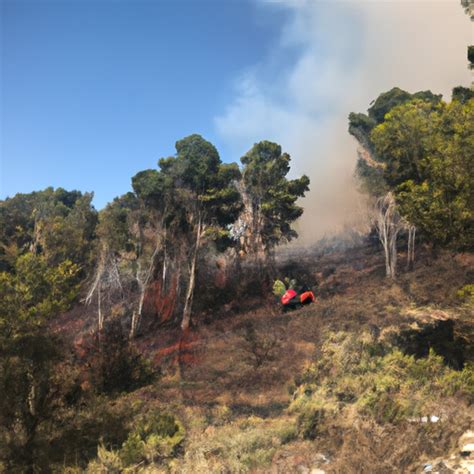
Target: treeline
(163, 238)
(416, 160)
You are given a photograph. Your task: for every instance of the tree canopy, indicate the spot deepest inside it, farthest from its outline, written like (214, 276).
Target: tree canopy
(421, 148)
(270, 196)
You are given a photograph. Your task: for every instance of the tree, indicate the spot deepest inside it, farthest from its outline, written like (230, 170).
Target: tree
(441, 203)
(269, 198)
(207, 201)
(57, 224)
(115, 241)
(388, 223)
(404, 140)
(32, 293)
(173, 213)
(384, 164)
(462, 94)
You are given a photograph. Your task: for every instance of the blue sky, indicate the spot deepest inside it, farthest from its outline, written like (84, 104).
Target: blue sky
(94, 91)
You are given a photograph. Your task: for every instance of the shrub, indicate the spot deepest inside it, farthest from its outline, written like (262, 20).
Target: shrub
(155, 437)
(261, 348)
(310, 422)
(115, 366)
(466, 293)
(378, 379)
(288, 433)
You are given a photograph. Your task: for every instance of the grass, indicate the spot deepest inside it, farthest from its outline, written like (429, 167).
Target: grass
(335, 391)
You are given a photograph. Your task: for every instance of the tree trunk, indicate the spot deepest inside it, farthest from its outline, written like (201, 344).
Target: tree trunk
(386, 249)
(393, 253)
(99, 309)
(143, 285)
(192, 281)
(411, 247)
(165, 268)
(388, 224)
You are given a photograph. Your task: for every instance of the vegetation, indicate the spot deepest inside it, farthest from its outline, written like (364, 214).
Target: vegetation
(414, 163)
(145, 337)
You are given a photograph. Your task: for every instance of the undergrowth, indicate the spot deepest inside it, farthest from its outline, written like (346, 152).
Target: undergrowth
(377, 379)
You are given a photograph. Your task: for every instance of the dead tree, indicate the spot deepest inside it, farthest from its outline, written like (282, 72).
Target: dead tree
(388, 223)
(143, 277)
(107, 281)
(411, 245)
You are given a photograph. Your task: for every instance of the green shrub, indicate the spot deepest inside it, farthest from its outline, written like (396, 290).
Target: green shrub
(288, 433)
(382, 407)
(459, 382)
(279, 288)
(133, 450)
(310, 422)
(466, 293)
(155, 437)
(107, 461)
(378, 379)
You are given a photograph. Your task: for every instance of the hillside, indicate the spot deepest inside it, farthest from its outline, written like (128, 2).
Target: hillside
(332, 386)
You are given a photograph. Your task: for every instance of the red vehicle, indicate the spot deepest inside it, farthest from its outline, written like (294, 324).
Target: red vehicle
(293, 299)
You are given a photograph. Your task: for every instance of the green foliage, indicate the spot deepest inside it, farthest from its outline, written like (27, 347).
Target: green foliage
(396, 96)
(195, 197)
(421, 148)
(115, 222)
(237, 447)
(30, 396)
(404, 139)
(57, 224)
(81, 428)
(466, 293)
(378, 379)
(439, 202)
(470, 55)
(462, 94)
(35, 292)
(272, 196)
(279, 288)
(155, 437)
(372, 169)
(371, 179)
(310, 422)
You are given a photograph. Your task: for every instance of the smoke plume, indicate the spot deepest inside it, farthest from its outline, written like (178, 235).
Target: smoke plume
(333, 58)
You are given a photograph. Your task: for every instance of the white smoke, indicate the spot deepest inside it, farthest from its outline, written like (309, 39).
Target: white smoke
(347, 53)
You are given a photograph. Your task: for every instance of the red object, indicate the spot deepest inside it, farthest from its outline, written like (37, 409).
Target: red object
(288, 296)
(307, 297)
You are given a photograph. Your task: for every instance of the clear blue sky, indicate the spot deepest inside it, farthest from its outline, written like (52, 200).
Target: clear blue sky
(93, 91)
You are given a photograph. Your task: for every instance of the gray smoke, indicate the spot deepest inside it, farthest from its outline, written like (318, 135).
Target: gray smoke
(347, 53)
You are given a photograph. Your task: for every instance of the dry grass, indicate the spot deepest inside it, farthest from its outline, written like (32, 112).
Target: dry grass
(216, 389)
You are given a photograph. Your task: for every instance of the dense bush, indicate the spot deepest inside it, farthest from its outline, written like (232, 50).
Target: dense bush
(154, 438)
(380, 380)
(115, 365)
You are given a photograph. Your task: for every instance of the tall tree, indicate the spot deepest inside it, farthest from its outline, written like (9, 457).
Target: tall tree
(183, 206)
(206, 192)
(383, 165)
(270, 199)
(32, 293)
(441, 202)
